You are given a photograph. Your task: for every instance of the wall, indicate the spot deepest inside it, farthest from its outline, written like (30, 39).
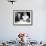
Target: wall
(37, 31)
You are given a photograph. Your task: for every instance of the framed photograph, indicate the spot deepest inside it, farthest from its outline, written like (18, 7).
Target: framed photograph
(22, 17)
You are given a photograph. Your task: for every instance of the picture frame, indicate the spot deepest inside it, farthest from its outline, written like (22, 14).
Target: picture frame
(22, 17)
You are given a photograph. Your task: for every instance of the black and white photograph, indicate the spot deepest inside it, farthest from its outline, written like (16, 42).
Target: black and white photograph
(22, 17)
